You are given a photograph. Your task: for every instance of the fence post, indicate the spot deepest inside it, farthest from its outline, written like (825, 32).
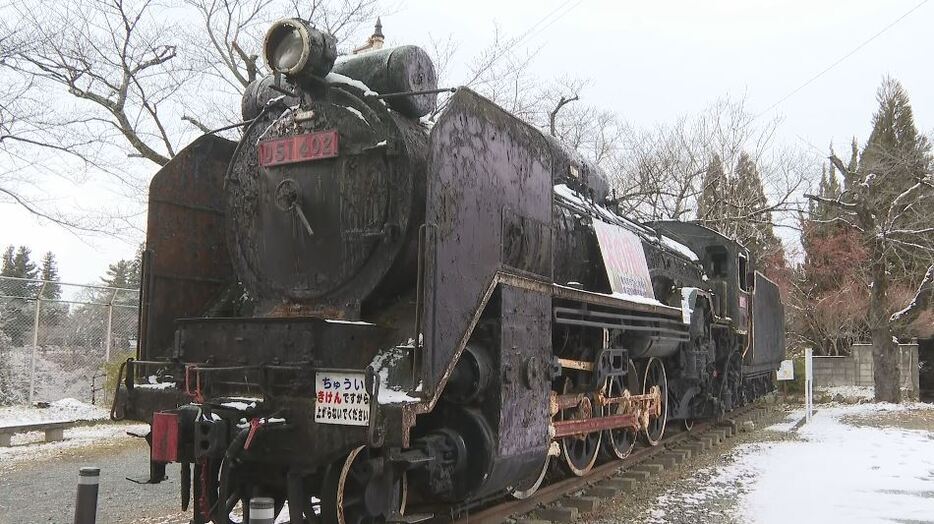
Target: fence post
(110, 322)
(35, 344)
(86, 500)
(262, 510)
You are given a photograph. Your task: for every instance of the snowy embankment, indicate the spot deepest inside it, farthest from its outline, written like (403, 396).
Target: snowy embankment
(847, 465)
(30, 446)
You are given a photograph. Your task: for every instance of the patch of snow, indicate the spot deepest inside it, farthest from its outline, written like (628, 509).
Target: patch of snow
(584, 204)
(157, 385)
(835, 472)
(335, 78)
(382, 363)
(687, 304)
(358, 113)
(863, 392)
(64, 409)
(427, 122)
(638, 299)
(674, 245)
(239, 405)
(348, 322)
(394, 396)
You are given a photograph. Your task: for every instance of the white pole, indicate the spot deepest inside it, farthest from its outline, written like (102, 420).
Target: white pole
(110, 321)
(35, 343)
(809, 383)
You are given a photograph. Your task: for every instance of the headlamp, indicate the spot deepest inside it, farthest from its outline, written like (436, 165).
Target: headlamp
(299, 51)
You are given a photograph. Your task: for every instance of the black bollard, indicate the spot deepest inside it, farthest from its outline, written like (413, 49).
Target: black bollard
(86, 503)
(262, 510)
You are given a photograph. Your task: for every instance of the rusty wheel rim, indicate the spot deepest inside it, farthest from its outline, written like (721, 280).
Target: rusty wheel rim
(579, 453)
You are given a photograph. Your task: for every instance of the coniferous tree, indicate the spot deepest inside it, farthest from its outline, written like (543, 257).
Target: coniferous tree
(710, 205)
(49, 272)
(53, 313)
(753, 226)
(16, 312)
(7, 267)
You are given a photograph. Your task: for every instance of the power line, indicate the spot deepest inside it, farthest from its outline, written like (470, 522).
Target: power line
(531, 30)
(541, 20)
(841, 59)
(559, 17)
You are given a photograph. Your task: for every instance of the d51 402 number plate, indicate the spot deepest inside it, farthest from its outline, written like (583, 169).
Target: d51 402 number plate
(298, 148)
(341, 398)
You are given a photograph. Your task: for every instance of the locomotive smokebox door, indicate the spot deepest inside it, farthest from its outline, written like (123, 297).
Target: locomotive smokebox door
(322, 207)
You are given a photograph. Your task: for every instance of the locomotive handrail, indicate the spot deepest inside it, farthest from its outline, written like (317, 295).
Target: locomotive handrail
(602, 299)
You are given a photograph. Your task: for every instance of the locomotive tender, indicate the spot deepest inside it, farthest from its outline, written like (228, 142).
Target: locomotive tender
(361, 315)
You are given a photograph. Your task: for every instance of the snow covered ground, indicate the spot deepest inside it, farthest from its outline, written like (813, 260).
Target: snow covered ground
(863, 393)
(849, 464)
(31, 446)
(65, 409)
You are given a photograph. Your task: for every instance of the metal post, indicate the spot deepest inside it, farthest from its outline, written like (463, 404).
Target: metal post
(808, 384)
(262, 510)
(110, 321)
(86, 503)
(35, 344)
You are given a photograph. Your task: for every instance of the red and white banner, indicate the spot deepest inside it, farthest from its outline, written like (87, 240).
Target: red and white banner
(624, 259)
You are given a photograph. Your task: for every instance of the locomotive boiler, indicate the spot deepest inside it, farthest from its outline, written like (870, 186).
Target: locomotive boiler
(364, 314)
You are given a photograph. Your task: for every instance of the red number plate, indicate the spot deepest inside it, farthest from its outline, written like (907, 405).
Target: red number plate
(299, 148)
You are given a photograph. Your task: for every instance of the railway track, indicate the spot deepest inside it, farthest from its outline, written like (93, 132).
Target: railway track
(557, 501)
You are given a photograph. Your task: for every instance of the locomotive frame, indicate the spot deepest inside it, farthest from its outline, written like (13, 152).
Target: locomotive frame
(478, 323)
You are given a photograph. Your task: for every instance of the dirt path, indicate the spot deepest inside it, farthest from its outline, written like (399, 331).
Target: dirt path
(38, 482)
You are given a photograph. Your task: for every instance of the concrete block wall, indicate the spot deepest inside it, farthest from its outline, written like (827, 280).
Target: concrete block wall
(856, 369)
(834, 371)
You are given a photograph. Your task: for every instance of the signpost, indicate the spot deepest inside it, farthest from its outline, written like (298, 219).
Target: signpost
(808, 384)
(785, 372)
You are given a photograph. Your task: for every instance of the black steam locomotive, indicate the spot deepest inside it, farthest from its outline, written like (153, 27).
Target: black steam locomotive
(362, 314)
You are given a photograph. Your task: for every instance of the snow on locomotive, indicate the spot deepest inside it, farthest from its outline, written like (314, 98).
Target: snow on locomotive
(358, 314)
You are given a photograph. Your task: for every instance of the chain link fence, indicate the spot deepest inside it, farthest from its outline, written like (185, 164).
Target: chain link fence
(61, 340)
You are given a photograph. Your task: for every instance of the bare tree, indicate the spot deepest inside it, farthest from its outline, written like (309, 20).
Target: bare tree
(887, 226)
(115, 59)
(114, 86)
(659, 173)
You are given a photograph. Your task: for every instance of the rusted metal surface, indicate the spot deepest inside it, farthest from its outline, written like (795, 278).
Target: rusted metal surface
(575, 364)
(186, 263)
(565, 428)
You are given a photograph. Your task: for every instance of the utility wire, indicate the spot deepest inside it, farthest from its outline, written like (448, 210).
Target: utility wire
(531, 31)
(841, 59)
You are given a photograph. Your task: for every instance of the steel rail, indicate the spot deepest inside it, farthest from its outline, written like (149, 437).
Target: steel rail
(561, 488)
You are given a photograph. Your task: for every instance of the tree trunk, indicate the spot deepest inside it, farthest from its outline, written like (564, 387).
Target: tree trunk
(885, 373)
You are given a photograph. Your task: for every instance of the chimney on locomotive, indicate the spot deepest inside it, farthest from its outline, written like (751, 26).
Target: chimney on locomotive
(294, 48)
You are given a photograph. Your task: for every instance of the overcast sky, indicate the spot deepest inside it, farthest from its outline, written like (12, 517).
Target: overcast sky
(649, 62)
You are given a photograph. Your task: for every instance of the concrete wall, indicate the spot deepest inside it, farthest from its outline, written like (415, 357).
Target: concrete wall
(856, 369)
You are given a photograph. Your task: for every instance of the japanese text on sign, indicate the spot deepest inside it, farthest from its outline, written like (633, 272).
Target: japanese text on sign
(341, 398)
(624, 259)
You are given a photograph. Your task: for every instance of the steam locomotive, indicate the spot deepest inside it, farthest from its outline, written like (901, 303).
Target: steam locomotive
(361, 314)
